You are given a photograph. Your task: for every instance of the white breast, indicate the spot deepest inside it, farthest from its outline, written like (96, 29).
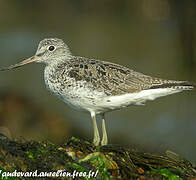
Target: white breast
(78, 95)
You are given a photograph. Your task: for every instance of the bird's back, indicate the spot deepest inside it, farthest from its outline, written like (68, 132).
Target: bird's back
(115, 79)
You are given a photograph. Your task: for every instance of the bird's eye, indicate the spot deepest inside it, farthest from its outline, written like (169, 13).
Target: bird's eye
(51, 48)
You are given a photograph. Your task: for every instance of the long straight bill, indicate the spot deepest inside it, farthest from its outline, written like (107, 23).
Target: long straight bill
(27, 61)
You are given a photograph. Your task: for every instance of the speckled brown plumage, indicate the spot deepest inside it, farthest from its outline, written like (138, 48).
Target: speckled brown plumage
(110, 78)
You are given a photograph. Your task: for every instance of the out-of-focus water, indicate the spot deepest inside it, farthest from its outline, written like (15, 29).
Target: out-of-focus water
(156, 38)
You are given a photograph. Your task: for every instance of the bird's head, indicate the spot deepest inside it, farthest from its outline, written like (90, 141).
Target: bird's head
(48, 52)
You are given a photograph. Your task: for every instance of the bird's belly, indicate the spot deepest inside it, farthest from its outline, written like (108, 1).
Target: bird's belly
(80, 98)
(83, 100)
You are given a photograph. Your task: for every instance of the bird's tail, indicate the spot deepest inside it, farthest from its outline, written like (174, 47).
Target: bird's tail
(178, 85)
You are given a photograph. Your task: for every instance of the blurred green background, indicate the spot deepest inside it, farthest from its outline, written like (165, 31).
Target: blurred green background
(156, 37)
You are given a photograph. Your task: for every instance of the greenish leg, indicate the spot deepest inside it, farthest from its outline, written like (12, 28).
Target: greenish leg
(96, 139)
(104, 140)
